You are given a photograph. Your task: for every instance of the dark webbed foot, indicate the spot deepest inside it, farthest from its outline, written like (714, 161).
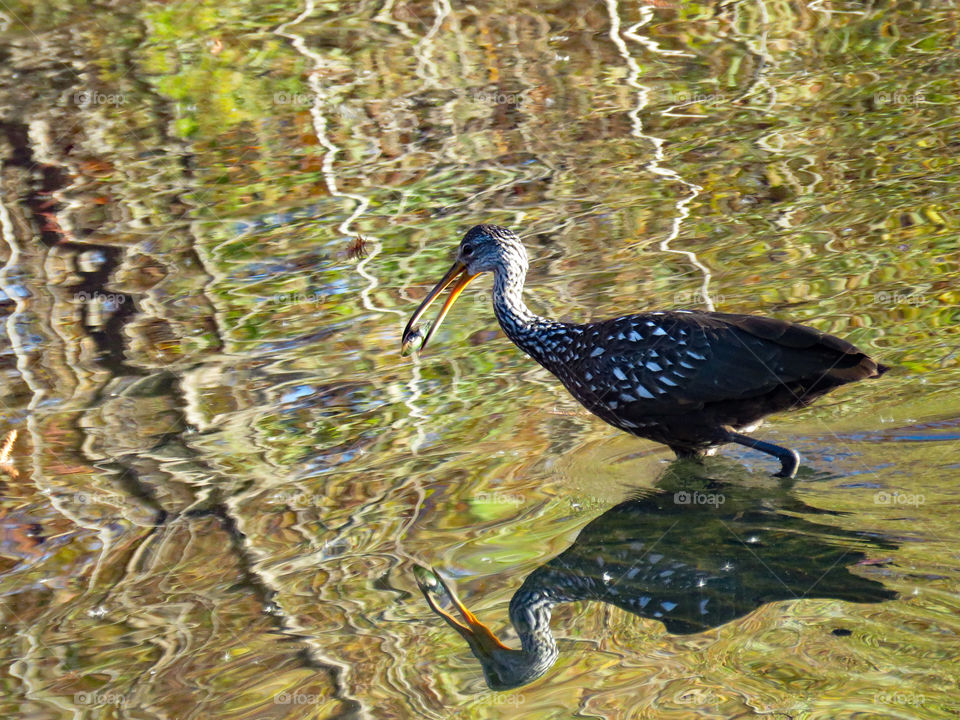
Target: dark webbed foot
(789, 459)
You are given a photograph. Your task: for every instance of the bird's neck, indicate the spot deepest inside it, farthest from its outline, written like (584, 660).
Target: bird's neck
(530, 612)
(516, 319)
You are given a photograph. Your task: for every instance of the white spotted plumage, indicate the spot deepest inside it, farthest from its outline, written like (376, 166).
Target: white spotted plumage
(685, 378)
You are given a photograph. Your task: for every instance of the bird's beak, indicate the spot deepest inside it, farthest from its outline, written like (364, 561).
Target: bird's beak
(479, 636)
(411, 333)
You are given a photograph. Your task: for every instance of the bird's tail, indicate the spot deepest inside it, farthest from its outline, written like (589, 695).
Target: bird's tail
(863, 368)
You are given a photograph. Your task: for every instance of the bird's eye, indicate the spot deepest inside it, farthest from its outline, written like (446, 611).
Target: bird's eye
(467, 250)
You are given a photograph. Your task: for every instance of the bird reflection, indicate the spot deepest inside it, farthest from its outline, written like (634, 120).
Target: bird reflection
(694, 554)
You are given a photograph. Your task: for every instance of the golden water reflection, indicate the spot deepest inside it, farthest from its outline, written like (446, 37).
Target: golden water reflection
(225, 471)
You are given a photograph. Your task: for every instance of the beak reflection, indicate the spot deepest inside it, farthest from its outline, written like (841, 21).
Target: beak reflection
(478, 635)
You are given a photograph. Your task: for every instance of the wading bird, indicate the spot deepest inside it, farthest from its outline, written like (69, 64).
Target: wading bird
(676, 557)
(688, 379)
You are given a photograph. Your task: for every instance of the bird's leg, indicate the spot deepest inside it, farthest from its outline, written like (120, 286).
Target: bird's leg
(685, 453)
(789, 459)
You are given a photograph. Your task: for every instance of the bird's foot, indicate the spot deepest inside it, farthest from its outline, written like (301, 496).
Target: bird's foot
(789, 459)
(789, 462)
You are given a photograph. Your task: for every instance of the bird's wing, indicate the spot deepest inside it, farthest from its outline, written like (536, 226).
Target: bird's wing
(689, 359)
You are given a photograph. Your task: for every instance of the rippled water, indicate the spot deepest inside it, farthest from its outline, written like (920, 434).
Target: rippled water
(224, 473)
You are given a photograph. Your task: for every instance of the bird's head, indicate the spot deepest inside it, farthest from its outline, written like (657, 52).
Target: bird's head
(485, 248)
(503, 668)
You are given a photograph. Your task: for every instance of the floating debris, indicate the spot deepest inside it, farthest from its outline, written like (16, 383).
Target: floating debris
(358, 248)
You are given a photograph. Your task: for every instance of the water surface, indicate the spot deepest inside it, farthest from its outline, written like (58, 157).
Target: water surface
(225, 470)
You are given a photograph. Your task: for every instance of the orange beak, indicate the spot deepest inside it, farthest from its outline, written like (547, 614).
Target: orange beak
(478, 635)
(410, 333)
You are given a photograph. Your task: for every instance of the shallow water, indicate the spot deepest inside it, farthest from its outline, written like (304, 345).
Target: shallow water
(224, 472)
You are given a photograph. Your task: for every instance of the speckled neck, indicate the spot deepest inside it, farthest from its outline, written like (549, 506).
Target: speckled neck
(524, 327)
(530, 613)
(512, 312)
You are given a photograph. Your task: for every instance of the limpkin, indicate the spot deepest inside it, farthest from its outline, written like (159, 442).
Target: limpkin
(688, 379)
(692, 566)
